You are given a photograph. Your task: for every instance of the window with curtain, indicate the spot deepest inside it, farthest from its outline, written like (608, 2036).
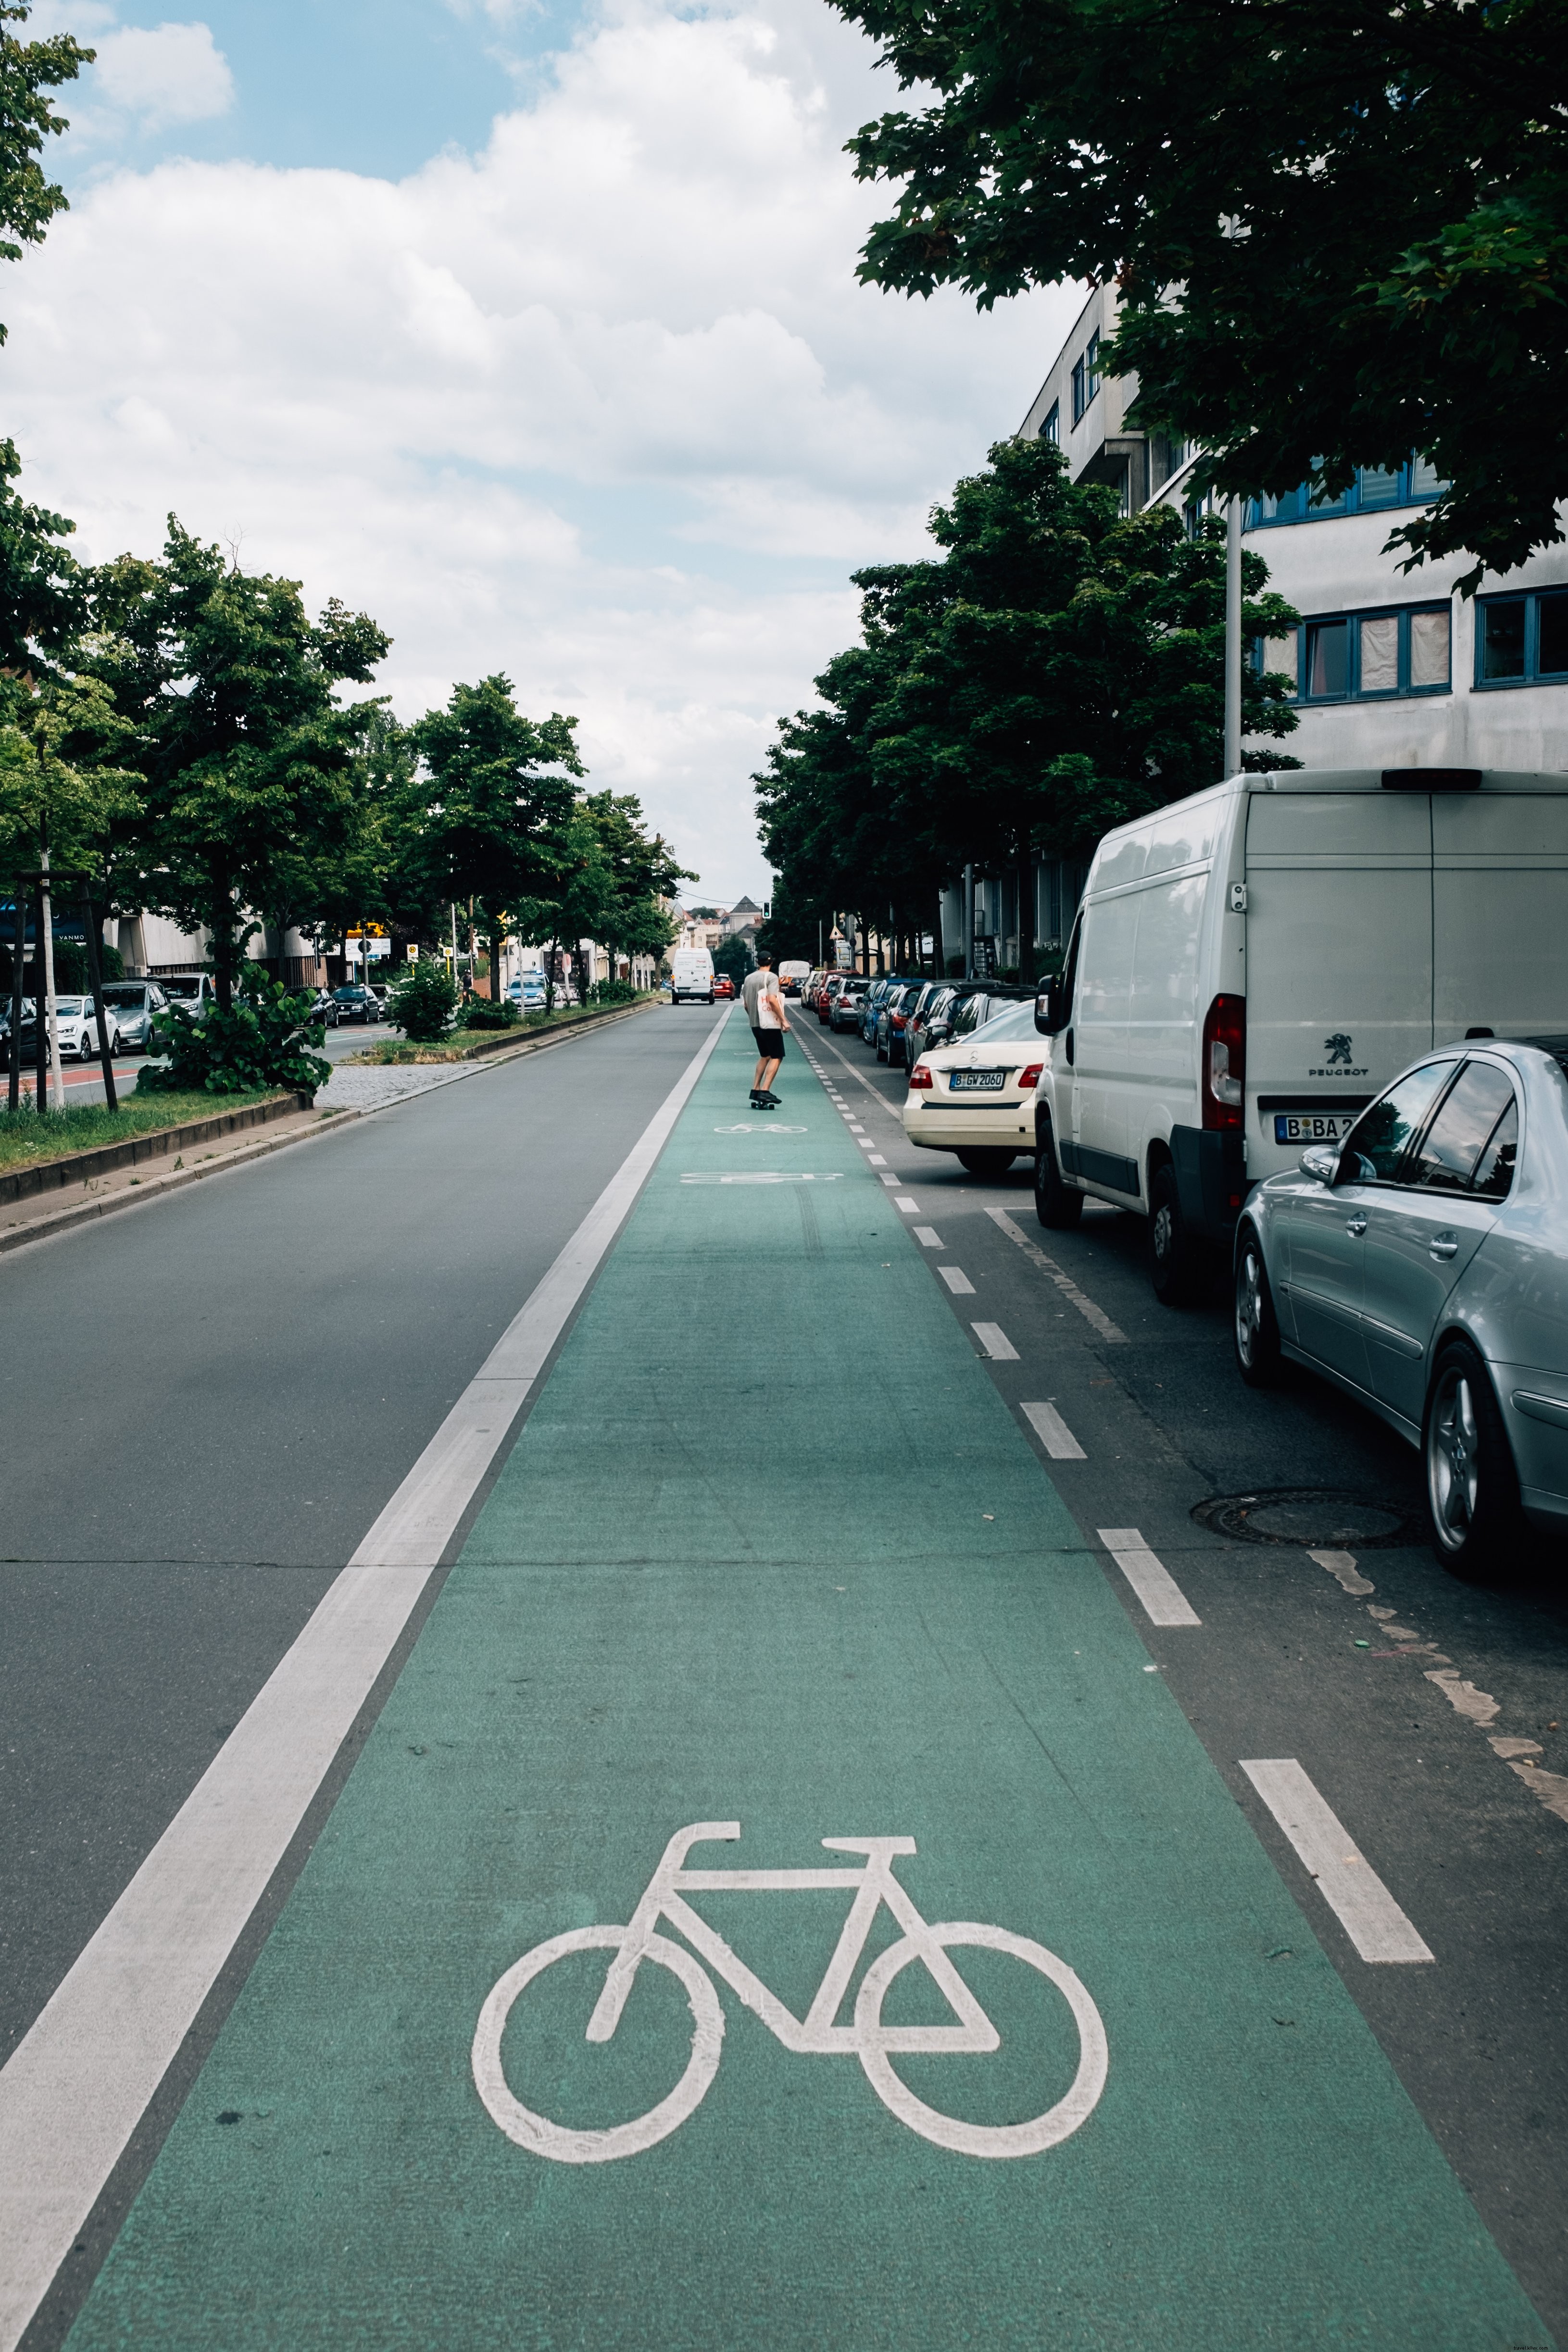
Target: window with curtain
(1402, 649)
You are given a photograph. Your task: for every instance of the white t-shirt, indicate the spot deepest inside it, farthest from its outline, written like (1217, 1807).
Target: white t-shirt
(763, 988)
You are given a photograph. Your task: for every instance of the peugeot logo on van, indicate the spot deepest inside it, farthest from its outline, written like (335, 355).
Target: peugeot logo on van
(1337, 1048)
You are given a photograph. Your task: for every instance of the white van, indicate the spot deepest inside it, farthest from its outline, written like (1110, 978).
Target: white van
(691, 976)
(1251, 965)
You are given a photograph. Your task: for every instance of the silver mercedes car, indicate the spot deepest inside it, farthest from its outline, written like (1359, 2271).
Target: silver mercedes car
(1422, 1266)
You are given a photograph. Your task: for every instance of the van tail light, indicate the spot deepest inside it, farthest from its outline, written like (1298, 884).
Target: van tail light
(920, 1078)
(1030, 1079)
(1224, 1062)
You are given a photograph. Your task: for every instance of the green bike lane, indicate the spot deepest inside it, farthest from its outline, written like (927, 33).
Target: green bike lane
(770, 1549)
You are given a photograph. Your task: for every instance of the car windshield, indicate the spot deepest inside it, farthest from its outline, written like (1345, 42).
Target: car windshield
(1017, 1020)
(181, 988)
(71, 1008)
(121, 994)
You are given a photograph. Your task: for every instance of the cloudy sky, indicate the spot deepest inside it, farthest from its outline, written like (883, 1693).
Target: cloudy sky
(530, 329)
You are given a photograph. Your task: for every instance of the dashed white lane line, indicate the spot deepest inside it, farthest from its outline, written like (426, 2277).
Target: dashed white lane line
(876, 1160)
(1053, 1272)
(1053, 1432)
(892, 1183)
(957, 1281)
(910, 1208)
(928, 1237)
(1349, 1886)
(995, 1342)
(1164, 1602)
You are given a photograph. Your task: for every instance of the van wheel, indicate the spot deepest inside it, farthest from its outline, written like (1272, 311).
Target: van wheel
(1176, 1258)
(1257, 1327)
(1473, 1512)
(1057, 1205)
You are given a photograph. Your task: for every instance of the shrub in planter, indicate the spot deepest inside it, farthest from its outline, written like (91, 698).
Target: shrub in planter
(480, 1013)
(263, 1040)
(423, 1004)
(612, 991)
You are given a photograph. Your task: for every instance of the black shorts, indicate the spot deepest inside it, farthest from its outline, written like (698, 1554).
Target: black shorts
(769, 1044)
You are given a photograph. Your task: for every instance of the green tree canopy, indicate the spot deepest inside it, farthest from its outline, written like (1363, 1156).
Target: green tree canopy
(642, 871)
(28, 71)
(1339, 231)
(253, 796)
(499, 803)
(1058, 671)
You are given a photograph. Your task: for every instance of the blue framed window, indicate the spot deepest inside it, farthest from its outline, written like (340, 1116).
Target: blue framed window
(1051, 428)
(1368, 657)
(1374, 490)
(1085, 378)
(1523, 640)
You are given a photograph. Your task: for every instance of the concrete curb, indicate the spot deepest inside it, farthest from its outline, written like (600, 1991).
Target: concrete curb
(331, 1122)
(54, 1175)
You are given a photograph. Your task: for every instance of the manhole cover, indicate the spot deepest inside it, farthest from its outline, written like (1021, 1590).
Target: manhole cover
(1319, 1518)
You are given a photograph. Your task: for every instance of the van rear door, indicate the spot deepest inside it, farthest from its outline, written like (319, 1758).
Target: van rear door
(1338, 956)
(1501, 944)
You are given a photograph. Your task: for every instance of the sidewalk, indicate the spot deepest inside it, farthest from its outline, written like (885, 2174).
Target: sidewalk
(770, 1549)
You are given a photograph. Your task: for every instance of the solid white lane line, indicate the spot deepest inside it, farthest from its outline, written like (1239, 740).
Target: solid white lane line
(1164, 1602)
(78, 2083)
(1349, 1886)
(1053, 1272)
(995, 1342)
(1053, 1432)
(957, 1281)
(928, 1237)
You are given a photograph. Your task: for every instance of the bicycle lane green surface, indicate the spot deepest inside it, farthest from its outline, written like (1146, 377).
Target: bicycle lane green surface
(770, 1549)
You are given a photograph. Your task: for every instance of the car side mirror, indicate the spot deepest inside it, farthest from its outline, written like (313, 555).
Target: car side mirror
(1321, 1162)
(1050, 1012)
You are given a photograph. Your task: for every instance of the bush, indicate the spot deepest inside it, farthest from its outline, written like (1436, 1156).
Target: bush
(423, 1004)
(480, 1013)
(612, 991)
(262, 1041)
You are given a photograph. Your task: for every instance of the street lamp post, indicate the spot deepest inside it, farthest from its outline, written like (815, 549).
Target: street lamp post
(1233, 639)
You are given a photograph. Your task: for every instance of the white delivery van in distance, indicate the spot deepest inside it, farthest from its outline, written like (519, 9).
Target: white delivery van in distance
(1250, 966)
(691, 976)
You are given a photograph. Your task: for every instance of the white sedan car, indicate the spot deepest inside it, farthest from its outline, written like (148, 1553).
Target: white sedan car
(79, 1028)
(974, 1096)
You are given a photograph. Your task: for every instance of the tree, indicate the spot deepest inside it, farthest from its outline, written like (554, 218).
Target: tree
(42, 599)
(643, 872)
(1059, 671)
(1338, 231)
(29, 71)
(253, 785)
(732, 956)
(498, 804)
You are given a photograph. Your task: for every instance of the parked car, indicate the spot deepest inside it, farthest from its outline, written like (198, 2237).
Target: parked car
(131, 1004)
(527, 992)
(324, 1008)
(827, 994)
(793, 977)
(78, 1029)
(355, 1002)
(192, 991)
(1250, 966)
(1421, 1264)
(844, 1011)
(974, 1097)
(892, 1022)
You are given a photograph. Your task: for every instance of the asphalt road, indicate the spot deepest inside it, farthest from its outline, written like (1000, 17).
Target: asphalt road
(1292, 1665)
(204, 1404)
(701, 1594)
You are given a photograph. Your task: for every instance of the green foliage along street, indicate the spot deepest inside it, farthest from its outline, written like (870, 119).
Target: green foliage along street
(1339, 234)
(1058, 669)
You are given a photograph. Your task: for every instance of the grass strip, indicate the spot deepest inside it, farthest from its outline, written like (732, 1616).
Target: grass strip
(28, 1136)
(465, 1045)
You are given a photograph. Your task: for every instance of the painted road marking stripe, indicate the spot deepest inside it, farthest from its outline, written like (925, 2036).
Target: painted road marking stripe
(927, 1236)
(995, 1342)
(1053, 1272)
(957, 1281)
(1053, 1432)
(876, 1160)
(910, 1208)
(76, 2086)
(1349, 1886)
(892, 1183)
(1164, 1602)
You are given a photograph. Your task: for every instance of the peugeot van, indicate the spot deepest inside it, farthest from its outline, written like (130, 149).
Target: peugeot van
(1250, 966)
(691, 976)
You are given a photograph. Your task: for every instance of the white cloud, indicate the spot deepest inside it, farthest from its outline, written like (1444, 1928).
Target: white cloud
(169, 74)
(603, 407)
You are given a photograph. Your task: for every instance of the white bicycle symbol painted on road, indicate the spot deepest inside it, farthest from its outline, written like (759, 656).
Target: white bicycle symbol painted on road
(868, 2039)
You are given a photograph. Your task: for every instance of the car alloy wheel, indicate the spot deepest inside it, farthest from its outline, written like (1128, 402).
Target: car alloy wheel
(1258, 1357)
(1472, 1490)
